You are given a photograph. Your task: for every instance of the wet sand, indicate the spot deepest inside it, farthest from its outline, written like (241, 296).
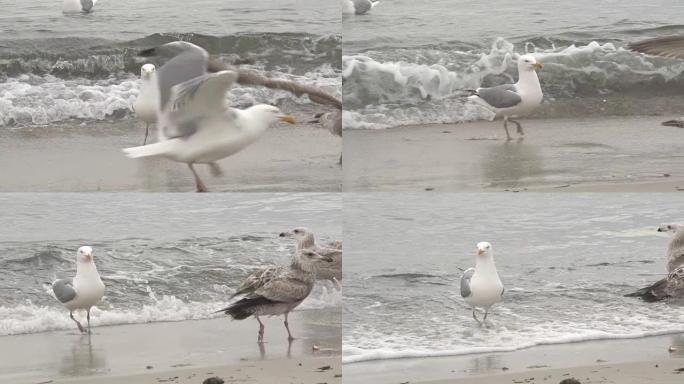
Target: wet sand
(86, 158)
(594, 154)
(611, 361)
(188, 350)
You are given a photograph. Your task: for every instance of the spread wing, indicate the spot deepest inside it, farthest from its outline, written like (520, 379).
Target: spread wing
(667, 46)
(501, 96)
(465, 282)
(315, 94)
(64, 290)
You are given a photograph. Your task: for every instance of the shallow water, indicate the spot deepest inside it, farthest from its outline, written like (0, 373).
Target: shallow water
(55, 67)
(565, 260)
(406, 62)
(163, 257)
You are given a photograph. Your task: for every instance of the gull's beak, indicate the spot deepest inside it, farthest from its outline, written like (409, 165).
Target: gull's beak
(538, 66)
(660, 230)
(285, 234)
(287, 118)
(89, 257)
(480, 252)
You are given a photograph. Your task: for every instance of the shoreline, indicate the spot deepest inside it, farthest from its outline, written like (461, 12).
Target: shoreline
(544, 361)
(143, 352)
(86, 157)
(593, 154)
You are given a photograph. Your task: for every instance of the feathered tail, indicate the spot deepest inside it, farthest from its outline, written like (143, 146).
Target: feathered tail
(646, 294)
(245, 308)
(155, 149)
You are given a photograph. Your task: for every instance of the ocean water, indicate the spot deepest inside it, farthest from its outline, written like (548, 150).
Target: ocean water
(407, 61)
(162, 257)
(566, 260)
(56, 67)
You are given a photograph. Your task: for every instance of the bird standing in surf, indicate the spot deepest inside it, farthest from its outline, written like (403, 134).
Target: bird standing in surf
(328, 268)
(84, 290)
(332, 121)
(513, 100)
(145, 105)
(74, 6)
(481, 286)
(275, 291)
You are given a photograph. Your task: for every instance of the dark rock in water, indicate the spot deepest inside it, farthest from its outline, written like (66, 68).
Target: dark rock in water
(213, 380)
(570, 381)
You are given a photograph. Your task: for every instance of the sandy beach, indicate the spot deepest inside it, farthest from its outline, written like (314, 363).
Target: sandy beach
(628, 154)
(179, 352)
(87, 158)
(637, 361)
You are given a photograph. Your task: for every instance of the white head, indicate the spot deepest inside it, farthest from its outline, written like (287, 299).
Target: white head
(528, 63)
(672, 228)
(84, 255)
(484, 249)
(269, 114)
(147, 70)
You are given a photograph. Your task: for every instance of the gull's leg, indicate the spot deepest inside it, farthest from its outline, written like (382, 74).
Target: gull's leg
(147, 131)
(475, 317)
(508, 135)
(80, 327)
(198, 181)
(287, 326)
(88, 317)
(340, 162)
(484, 319)
(337, 284)
(215, 169)
(518, 127)
(260, 339)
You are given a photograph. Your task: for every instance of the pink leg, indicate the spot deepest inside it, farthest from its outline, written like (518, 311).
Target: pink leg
(260, 339)
(287, 326)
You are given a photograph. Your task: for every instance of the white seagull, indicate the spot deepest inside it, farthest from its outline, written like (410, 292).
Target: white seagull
(73, 6)
(196, 127)
(481, 286)
(513, 100)
(275, 291)
(146, 104)
(83, 291)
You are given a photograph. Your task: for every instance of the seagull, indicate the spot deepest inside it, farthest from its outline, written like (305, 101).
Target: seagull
(83, 291)
(73, 6)
(671, 287)
(195, 124)
(328, 268)
(513, 100)
(665, 46)
(145, 105)
(275, 291)
(360, 7)
(675, 250)
(481, 286)
(332, 121)
(245, 76)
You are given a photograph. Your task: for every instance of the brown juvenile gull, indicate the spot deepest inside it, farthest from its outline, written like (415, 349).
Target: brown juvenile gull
(275, 291)
(665, 46)
(671, 287)
(324, 270)
(675, 250)
(332, 121)
(195, 125)
(83, 291)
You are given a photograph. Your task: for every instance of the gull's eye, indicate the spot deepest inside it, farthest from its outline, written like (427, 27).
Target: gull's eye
(296, 231)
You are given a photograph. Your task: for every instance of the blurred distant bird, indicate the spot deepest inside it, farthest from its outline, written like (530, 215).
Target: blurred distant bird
(71, 6)
(359, 7)
(146, 104)
(83, 291)
(332, 121)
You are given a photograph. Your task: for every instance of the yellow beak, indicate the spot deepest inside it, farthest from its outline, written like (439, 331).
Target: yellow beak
(287, 118)
(89, 257)
(480, 252)
(538, 66)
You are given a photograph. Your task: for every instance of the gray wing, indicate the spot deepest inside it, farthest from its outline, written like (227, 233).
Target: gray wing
(285, 289)
(184, 67)
(171, 49)
(87, 5)
(501, 96)
(257, 280)
(64, 290)
(667, 46)
(362, 6)
(465, 282)
(317, 95)
(337, 244)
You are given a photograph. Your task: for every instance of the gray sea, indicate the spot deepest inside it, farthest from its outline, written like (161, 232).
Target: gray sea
(162, 257)
(566, 260)
(57, 67)
(406, 61)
